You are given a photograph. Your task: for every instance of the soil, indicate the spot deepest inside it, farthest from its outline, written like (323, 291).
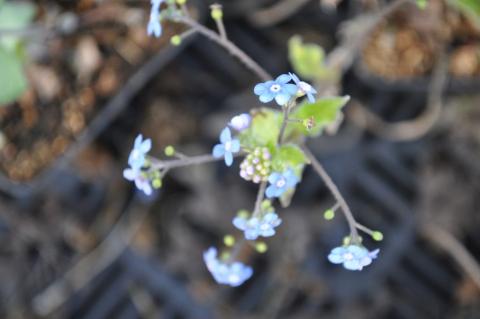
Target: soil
(71, 79)
(407, 44)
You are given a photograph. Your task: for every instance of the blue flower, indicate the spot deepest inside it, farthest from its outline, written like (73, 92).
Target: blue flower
(227, 147)
(232, 274)
(304, 88)
(141, 181)
(353, 257)
(154, 27)
(280, 182)
(254, 227)
(280, 90)
(240, 122)
(141, 147)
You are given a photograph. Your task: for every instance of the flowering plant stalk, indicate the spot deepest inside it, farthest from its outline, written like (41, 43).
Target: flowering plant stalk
(271, 143)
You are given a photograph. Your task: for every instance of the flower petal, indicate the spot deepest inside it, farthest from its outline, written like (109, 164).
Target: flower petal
(129, 174)
(146, 145)
(218, 151)
(283, 78)
(228, 158)
(266, 97)
(353, 264)
(282, 99)
(225, 136)
(270, 191)
(260, 88)
(235, 147)
(290, 89)
(335, 258)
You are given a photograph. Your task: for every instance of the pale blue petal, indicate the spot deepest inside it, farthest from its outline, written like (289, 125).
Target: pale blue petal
(218, 151)
(235, 146)
(311, 97)
(282, 99)
(273, 178)
(290, 89)
(225, 136)
(138, 141)
(251, 234)
(268, 232)
(260, 88)
(266, 97)
(353, 264)
(335, 258)
(228, 158)
(129, 174)
(294, 77)
(284, 78)
(146, 146)
(270, 191)
(240, 223)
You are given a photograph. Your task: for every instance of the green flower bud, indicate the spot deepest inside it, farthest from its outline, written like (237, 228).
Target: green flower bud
(229, 240)
(169, 150)
(181, 2)
(216, 12)
(377, 236)
(176, 40)
(261, 247)
(157, 183)
(329, 214)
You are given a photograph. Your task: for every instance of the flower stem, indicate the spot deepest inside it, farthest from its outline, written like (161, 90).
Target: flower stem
(186, 161)
(352, 224)
(227, 44)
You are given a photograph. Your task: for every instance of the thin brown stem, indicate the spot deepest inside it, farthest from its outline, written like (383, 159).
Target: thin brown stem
(335, 192)
(286, 111)
(228, 45)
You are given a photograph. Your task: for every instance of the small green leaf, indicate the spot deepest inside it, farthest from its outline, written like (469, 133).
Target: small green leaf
(288, 156)
(263, 130)
(12, 77)
(14, 16)
(323, 112)
(308, 60)
(471, 8)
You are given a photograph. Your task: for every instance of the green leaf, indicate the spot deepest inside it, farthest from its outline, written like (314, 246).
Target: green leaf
(471, 8)
(263, 130)
(288, 156)
(323, 112)
(308, 60)
(12, 77)
(14, 16)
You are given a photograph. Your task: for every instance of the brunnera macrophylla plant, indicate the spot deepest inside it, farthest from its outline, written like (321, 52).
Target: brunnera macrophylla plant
(269, 144)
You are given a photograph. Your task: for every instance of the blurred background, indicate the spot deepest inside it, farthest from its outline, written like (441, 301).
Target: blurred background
(80, 79)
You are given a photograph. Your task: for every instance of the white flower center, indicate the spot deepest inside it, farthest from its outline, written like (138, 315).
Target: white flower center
(348, 256)
(228, 145)
(280, 183)
(275, 88)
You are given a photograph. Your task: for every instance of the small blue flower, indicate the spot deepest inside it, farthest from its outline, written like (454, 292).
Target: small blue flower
(232, 274)
(141, 181)
(304, 88)
(227, 147)
(279, 89)
(353, 257)
(141, 147)
(154, 27)
(280, 182)
(240, 122)
(254, 227)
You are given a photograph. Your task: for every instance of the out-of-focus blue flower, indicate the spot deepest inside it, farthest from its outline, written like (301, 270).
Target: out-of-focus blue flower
(279, 89)
(154, 27)
(254, 227)
(227, 147)
(304, 88)
(280, 182)
(232, 274)
(141, 181)
(240, 122)
(353, 257)
(141, 147)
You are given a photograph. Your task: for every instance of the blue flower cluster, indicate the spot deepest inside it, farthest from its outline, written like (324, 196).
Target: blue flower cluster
(154, 27)
(227, 147)
(282, 91)
(353, 257)
(254, 227)
(233, 274)
(280, 183)
(136, 160)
